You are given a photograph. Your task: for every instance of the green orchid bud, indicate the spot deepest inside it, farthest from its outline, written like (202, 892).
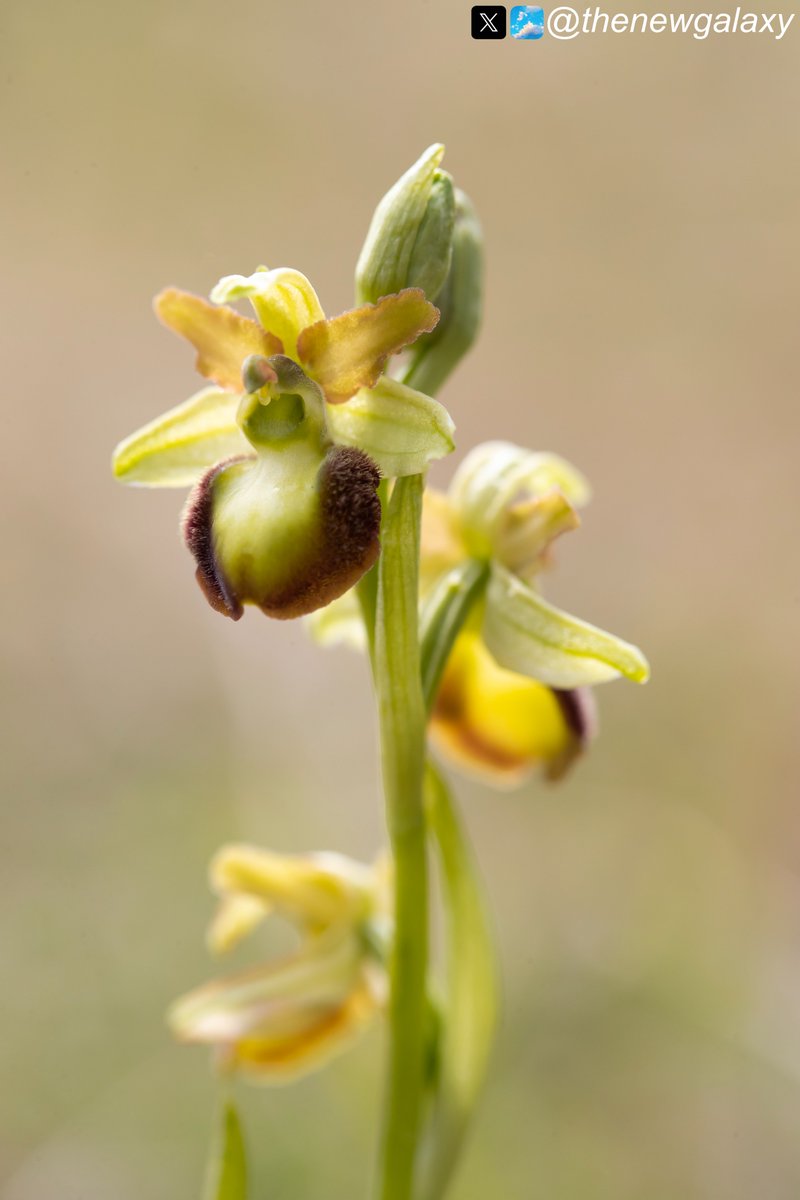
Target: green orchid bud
(409, 242)
(436, 355)
(294, 526)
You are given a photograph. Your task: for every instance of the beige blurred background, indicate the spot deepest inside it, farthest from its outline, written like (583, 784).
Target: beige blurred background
(640, 199)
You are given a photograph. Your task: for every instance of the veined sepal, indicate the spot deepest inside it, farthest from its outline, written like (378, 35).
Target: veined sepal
(177, 447)
(527, 635)
(401, 430)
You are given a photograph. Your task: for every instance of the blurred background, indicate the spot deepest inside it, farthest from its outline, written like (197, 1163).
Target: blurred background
(639, 196)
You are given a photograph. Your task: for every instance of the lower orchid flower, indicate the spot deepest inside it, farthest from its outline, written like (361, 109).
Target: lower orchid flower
(282, 1019)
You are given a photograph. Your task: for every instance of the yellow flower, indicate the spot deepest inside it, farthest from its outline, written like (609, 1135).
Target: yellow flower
(282, 1019)
(287, 448)
(514, 694)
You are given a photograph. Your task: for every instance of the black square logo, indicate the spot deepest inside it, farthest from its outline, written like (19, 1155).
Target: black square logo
(489, 22)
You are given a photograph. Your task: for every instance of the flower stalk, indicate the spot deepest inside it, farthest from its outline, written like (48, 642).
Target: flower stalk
(401, 712)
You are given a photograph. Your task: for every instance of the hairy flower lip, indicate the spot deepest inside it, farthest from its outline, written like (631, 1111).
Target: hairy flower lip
(341, 546)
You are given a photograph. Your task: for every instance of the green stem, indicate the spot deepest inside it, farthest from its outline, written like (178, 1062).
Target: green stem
(401, 712)
(367, 586)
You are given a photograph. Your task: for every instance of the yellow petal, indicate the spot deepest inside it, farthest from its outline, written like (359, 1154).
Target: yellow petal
(497, 724)
(349, 352)
(236, 917)
(284, 301)
(315, 890)
(222, 338)
(327, 1033)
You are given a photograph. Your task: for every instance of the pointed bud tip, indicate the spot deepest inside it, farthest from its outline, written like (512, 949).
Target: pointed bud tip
(409, 241)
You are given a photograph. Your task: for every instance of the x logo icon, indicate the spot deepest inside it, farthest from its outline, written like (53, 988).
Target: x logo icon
(489, 21)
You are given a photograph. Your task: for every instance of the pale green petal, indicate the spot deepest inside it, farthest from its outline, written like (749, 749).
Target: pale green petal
(284, 301)
(176, 448)
(530, 636)
(495, 475)
(400, 429)
(339, 623)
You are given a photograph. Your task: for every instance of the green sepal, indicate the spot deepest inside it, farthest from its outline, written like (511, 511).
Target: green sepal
(176, 448)
(527, 635)
(401, 429)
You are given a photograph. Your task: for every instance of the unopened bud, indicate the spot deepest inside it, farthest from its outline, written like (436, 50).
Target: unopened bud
(435, 355)
(409, 240)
